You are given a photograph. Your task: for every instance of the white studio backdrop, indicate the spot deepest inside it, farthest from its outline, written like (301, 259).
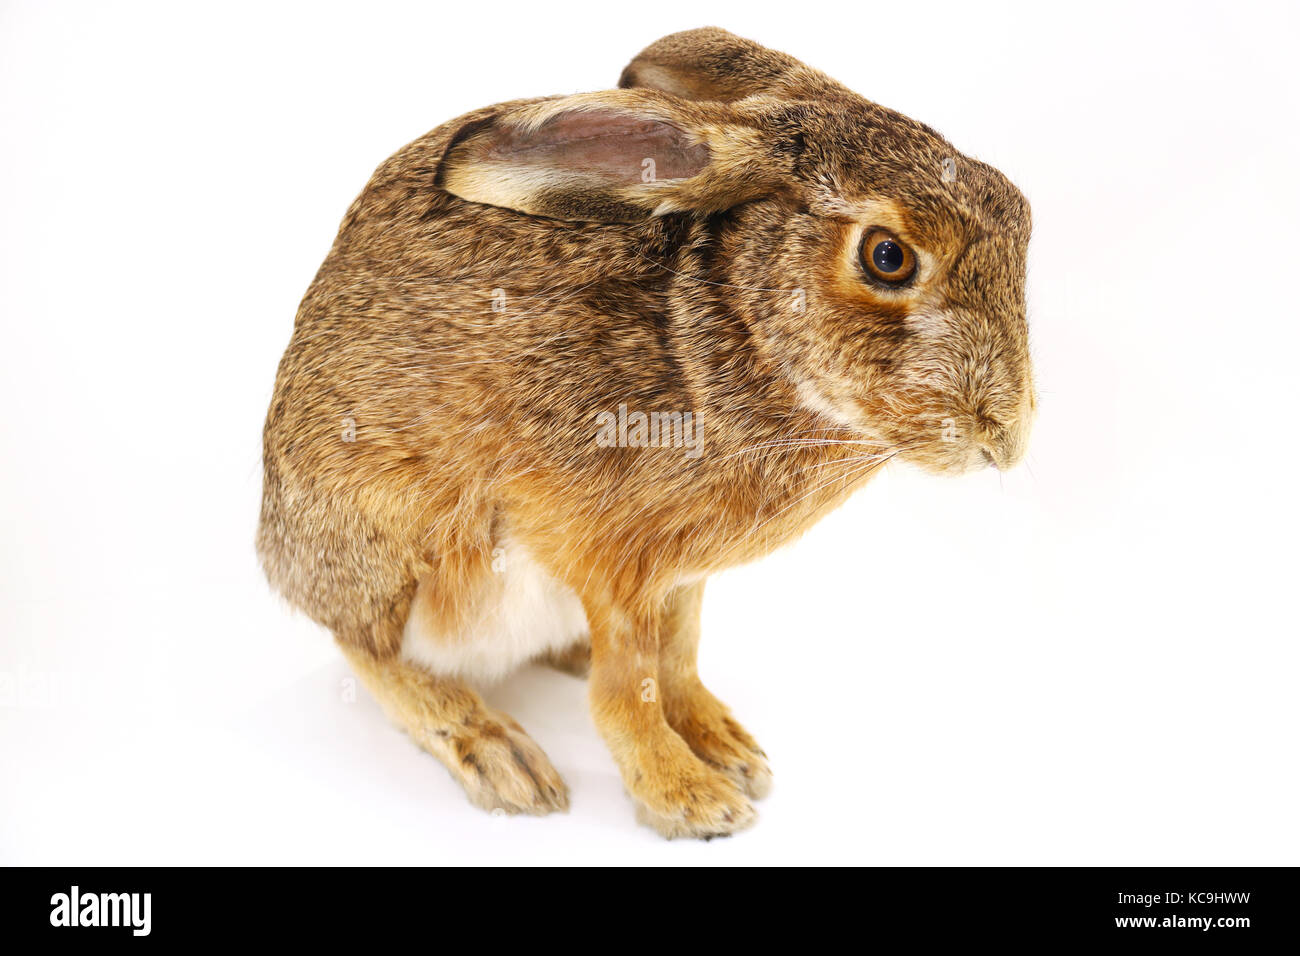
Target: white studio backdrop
(1089, 660)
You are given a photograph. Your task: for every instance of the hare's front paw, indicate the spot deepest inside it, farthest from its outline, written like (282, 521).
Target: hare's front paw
(713, 734)
(502, 769)
(678, 795)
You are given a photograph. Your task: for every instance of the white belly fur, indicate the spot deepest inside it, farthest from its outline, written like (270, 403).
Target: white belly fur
(535, 613)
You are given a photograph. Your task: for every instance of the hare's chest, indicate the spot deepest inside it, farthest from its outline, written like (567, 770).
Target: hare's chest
(529, 613)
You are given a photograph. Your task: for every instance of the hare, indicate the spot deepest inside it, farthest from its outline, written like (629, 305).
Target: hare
(570, 356)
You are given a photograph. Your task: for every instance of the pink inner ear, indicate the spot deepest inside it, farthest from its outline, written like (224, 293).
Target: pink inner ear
(613, 145)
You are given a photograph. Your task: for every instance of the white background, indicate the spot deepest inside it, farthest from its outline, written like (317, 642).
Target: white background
(1089, 660)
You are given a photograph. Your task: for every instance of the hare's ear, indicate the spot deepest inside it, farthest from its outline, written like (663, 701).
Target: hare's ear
(620, 156)
(712, 64)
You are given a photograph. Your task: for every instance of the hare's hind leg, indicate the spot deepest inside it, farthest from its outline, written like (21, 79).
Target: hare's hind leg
(574, 659)
(499, 765)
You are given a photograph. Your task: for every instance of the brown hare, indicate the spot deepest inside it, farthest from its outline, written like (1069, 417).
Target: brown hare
(570, 356)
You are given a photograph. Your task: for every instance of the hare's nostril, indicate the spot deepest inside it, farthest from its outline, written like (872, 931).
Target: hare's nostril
(988, 456)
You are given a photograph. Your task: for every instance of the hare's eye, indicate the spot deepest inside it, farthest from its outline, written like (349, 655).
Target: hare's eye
(886, 259)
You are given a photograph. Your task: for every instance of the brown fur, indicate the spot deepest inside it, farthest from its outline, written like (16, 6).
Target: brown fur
(731, 290)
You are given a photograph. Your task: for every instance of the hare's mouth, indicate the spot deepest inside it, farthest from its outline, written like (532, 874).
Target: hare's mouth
(953, 454)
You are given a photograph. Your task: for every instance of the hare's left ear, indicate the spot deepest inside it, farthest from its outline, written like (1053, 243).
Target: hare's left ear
(712, 64)
(620, 156)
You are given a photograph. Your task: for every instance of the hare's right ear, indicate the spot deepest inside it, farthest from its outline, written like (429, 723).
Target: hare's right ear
(712, 64)
(619, 156)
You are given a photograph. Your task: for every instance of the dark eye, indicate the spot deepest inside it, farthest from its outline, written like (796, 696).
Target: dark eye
(886, 259)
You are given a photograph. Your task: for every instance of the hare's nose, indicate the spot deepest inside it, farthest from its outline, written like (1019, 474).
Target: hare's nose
(1004, 449)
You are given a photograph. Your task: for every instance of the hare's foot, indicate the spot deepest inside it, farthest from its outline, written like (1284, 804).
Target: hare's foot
(499, 765)
(677, 795)
(708, 728)
(574, 659)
